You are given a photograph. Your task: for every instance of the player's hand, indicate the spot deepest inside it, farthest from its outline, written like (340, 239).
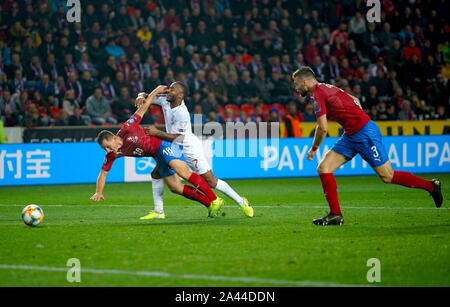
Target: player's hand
(97, 197)
(311, 154)
(151, 130)
(160, 89)
(140, 100)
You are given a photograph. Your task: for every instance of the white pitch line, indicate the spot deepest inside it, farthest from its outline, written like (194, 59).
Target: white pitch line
(255, 206)
(255, 280)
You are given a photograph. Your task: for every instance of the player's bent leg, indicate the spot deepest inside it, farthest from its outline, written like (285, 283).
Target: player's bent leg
(329, 164)
(210, 179)
(225, 188)
(157, 191)
(385, 172)
(189, 192)
(182, 169)
(388, 175)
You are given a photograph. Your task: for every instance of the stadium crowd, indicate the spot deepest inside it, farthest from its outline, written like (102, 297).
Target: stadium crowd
(236, 56)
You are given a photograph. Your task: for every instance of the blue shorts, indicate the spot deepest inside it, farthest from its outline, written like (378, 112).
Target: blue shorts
(167, 152)
(366, 142)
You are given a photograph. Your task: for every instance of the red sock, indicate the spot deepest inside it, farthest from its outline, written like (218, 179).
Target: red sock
(330, 190)
(201, 184)
(191, 193)
(409, 180)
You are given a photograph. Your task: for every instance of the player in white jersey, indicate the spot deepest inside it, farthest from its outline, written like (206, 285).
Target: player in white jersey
(179, 131)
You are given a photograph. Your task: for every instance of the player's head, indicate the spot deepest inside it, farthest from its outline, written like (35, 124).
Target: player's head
(177, 92)
(108, 141)
(304, 80)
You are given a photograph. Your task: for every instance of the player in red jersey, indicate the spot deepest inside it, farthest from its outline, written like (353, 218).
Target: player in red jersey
(361, 136)
(132, 141)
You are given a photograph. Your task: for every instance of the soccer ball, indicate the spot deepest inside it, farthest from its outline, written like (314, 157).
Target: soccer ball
(32, 215)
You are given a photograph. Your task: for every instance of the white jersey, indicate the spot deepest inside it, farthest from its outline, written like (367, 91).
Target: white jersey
(178, 121)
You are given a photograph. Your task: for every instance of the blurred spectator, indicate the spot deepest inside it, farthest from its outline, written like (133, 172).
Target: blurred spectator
(246, 87)
(311, 51)
(210, 104)
(274, 115)
(63, 119)
(197, 116)
(98, 108)
(230, 117)
(87, 84)
(10, 111)
(292, 121)
(123, 105)
(45, 87)
(411, 50)
(34, 119)
(309, 115)
(114, 50)
(441, 114)
(357, 28)
(406, 112)
(263, 86)
(144, 33)
(74, 84)
(86, 65)
(217, 86)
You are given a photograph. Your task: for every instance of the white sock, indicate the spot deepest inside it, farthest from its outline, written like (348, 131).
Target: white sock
(224, 187)
(158, 189)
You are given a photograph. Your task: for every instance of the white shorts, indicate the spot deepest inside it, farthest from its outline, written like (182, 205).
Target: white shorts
(194, 154)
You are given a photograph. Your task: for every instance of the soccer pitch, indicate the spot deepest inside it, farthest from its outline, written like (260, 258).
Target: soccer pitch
(278, 247)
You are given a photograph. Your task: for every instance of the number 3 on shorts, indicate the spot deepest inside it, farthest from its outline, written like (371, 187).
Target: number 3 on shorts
(375, 152)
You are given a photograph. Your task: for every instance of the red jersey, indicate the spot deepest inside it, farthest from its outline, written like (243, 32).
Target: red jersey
(135, 143)
(340, 106)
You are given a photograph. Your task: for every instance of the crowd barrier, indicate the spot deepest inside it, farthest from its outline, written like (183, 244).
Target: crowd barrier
(72, 163)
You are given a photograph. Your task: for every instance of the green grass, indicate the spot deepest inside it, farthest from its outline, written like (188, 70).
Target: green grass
(394, 224)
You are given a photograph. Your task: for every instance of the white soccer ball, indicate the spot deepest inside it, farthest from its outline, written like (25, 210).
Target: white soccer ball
(32, 215)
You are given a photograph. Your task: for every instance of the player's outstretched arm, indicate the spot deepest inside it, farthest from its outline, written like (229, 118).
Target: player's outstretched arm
(319, 135)
(148, 100)
(153, 131)
(101, 180)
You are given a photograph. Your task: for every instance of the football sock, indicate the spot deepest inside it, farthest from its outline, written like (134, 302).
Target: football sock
(330, 190)
(224, 187)
(191, 193)
(158, 189)
(200, 183)
(409, 180)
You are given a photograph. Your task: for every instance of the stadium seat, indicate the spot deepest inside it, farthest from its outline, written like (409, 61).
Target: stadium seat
(155, 111)
(157, 114)
(248, 109)
(234, 107)
(265, 108)
(221, 110)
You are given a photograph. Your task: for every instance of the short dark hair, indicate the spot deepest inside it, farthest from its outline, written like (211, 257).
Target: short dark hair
(104, 135)
(184, 88)
(304, 72)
